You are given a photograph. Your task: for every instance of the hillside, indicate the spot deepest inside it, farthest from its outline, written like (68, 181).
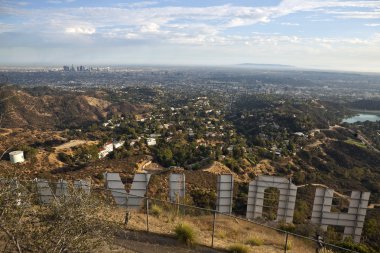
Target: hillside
(366, 104)
(309, 145)
(340, 157)
(95, 224)
(20, 108)
(297, 138)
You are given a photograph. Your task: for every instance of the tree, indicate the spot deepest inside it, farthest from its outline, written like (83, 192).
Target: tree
(68, 224)
(238, 152)
(165, 156)
(87, 153)
(93, 127)
(30, 152)
(65, 158)
(372, 232)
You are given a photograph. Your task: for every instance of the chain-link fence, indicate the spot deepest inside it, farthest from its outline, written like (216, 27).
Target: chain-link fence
(221, 230)
(212, 228)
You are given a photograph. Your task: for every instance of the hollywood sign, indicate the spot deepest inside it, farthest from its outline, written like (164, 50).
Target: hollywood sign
(352, 221)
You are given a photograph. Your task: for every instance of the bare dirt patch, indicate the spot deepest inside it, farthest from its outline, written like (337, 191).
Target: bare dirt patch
(264, 167)
(74, 143)
(219, 168)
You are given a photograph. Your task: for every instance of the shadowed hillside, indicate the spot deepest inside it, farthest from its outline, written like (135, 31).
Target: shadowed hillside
(54, 109)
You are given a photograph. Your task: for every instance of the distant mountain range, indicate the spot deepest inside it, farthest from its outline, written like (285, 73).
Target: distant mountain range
(256, 65)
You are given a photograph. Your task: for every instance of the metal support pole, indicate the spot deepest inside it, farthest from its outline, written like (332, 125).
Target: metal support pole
(184, 194)
(286, 243)
(177, 203)
(147, 214)
(232, 193)
(213, 230)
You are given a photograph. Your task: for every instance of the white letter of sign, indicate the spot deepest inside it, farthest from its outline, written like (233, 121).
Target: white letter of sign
(287, 200)
(352, 221)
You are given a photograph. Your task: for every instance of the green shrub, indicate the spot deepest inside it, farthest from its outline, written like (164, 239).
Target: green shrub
(307, 229)
(287, 227)
(222, 234)
(238, 248)
(372, 233)
(65, 158)
(361, 248)
(99, 176)
(255, 241)
(289, 245)
(324, 250)
(203, 198)
(50, 149)
(156, 210)
(185, 233)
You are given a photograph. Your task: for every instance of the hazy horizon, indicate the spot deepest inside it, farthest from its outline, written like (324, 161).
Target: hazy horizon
(331, 35)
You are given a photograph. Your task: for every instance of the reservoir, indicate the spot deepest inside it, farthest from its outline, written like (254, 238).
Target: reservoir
(362, 117)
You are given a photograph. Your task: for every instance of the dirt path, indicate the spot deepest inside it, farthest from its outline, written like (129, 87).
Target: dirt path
(73, 143)
(367, 142)
(5, 131)
(142, 242)
(314, 144)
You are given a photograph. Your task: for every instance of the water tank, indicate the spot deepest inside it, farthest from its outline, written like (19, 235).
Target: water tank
(17, 156)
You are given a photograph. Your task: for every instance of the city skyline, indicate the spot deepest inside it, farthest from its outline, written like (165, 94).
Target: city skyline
(335, 35)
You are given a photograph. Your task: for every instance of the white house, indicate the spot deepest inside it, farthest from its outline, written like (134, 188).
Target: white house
(105, 150)
(102, 153)
(108, 146)
(118, 144)
(151, 141)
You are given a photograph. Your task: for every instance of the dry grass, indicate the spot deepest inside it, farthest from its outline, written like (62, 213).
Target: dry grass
(222, 234)
(228, 231)
(238, 248)
(254, 241)
(185, 233)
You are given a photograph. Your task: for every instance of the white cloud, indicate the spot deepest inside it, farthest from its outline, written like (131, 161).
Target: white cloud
(5, 27)
(356, 14)
(141, 4)
(289, 24)
(236, 22)
(373, 24)
(197, 27)
(141, 17)
(369, 9)
(80, 30)
(60, 1)
(150, 28)
(322, 20)
(131, 36)
(22, 3)
(182, 25)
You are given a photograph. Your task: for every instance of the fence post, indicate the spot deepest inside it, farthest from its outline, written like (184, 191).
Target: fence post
(213, 230)
(286, 243)
(147, 214)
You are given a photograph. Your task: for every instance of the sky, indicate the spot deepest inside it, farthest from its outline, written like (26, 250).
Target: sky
(320, 34)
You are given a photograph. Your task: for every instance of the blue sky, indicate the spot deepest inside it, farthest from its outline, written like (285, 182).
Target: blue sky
(324, 34)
